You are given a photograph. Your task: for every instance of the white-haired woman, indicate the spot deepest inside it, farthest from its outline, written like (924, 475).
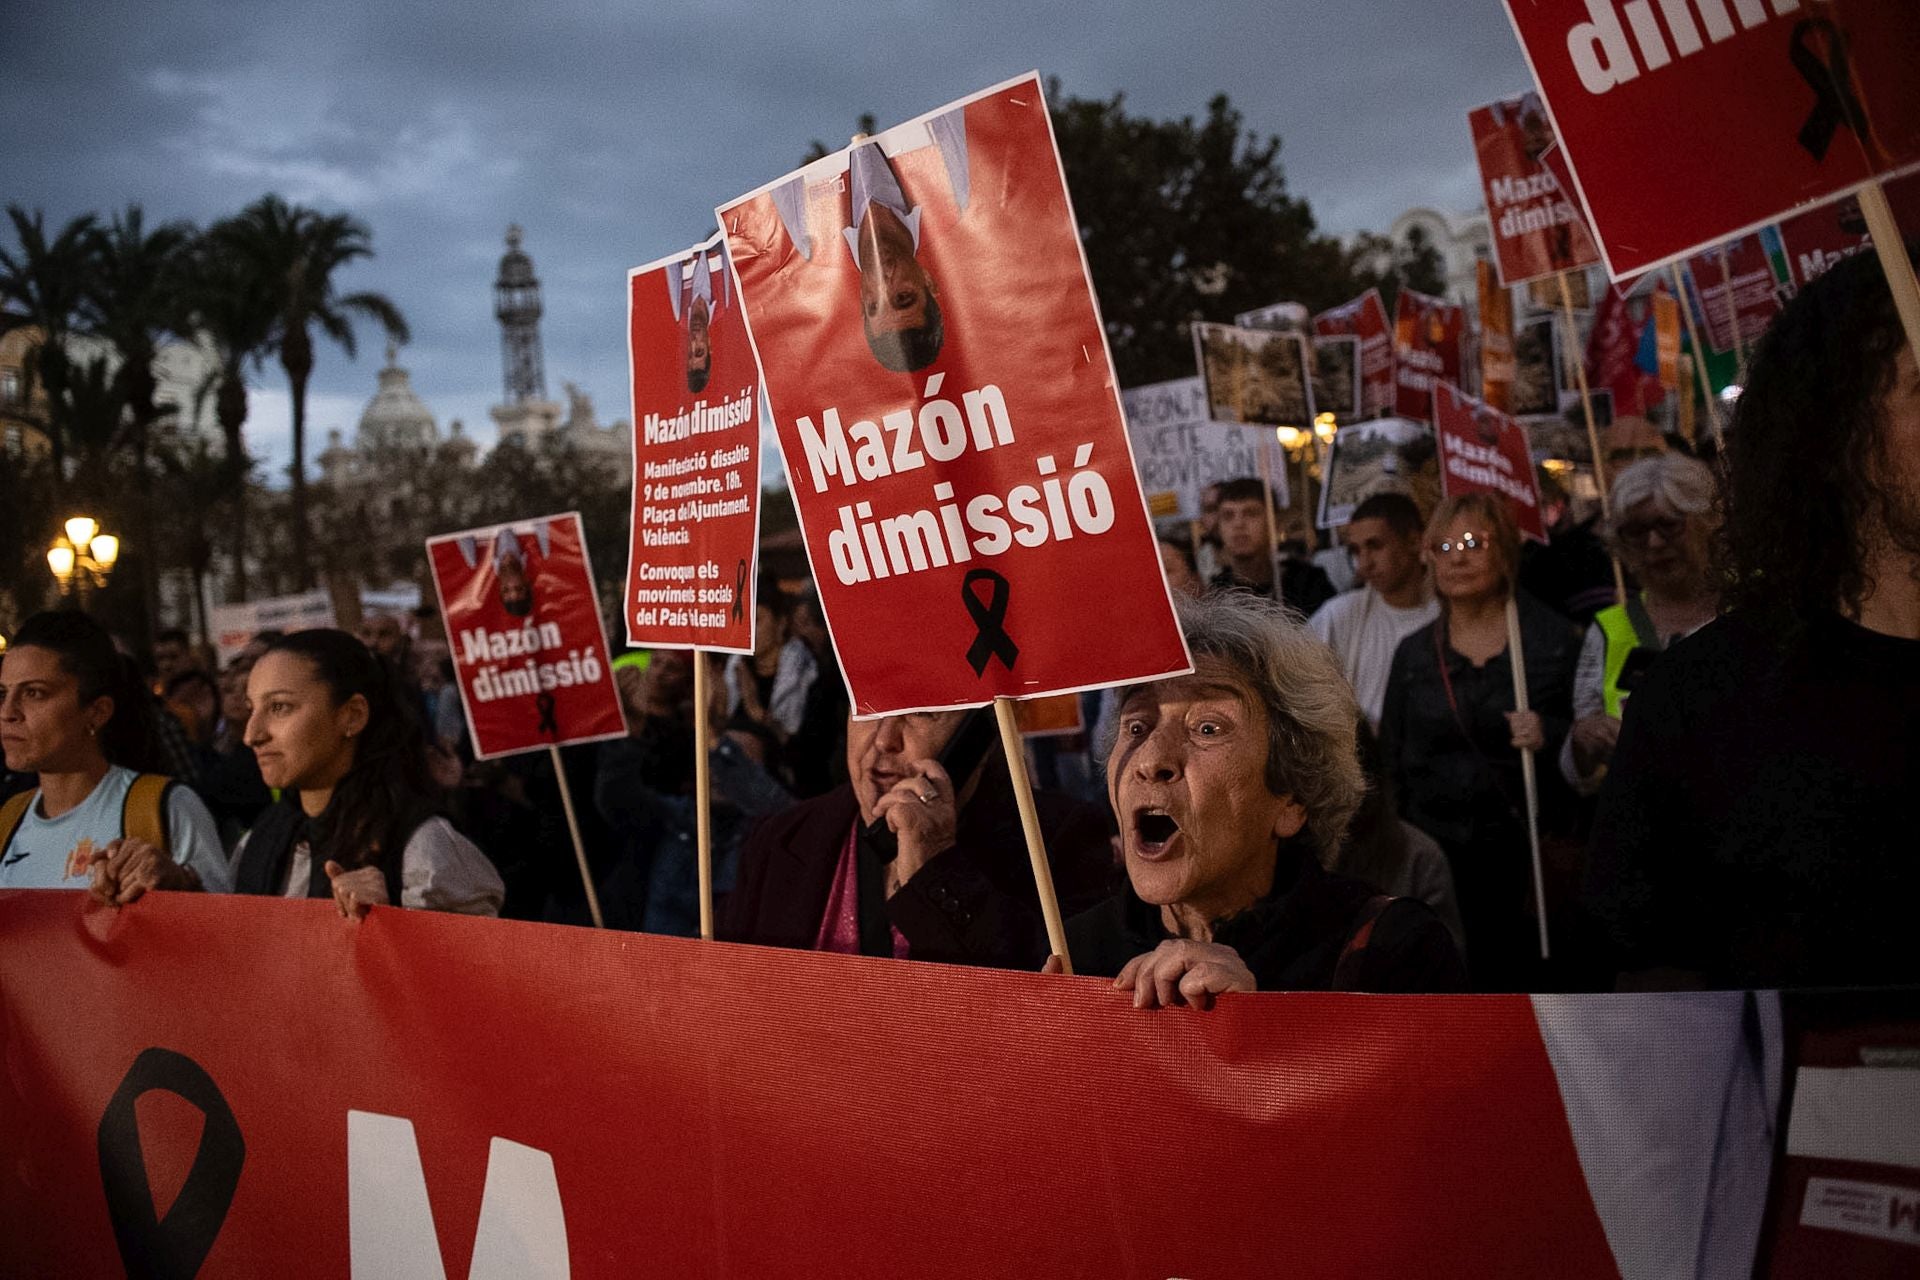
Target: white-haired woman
(1234, 787)
(1664, 519)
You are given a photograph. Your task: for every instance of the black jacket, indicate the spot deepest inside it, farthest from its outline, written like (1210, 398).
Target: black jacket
(1291, 939)
(973, 904)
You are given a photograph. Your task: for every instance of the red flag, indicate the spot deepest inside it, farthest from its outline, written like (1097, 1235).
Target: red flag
(1613, 347)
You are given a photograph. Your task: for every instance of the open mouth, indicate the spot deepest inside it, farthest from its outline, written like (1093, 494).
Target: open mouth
(1154, 829)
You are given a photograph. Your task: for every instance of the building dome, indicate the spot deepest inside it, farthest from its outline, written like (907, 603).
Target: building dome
(396, 417)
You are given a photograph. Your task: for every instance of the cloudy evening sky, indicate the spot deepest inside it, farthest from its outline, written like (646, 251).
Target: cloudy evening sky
(610, 132)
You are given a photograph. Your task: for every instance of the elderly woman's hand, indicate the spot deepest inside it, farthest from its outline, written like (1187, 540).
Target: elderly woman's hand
(356, 891)
(124, 870)
(1529, 732)
(1179, 971)
(923, 814)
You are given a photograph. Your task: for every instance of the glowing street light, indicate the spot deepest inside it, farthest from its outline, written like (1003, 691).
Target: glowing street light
(84, 557)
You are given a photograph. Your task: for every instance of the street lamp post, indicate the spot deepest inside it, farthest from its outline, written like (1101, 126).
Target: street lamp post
(82, 557)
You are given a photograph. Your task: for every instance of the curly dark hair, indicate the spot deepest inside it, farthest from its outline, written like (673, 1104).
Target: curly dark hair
(1793, 543)
(387, 789)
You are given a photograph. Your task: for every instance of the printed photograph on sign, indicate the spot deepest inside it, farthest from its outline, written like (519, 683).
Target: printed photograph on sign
(1538, 230)
(1336, 377)
(1386, 455)
(1365, 318)
(529, 650)
(1180, 453)
(1714, 119)
(949, 415)
(1254, 377)
(696, 455)
(1484, 451)
(1537, 368)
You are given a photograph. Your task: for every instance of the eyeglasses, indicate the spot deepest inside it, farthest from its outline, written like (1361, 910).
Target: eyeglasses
(1638, 531)
(1465, 542)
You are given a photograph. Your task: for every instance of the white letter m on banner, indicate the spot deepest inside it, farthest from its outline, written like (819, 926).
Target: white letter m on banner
(522, 1233)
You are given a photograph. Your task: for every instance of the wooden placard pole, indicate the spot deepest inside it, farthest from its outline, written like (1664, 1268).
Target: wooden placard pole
(1517, 659)
(1593, 431)
(703, 791)
(1892, 249)
(573, 829)
(1016, 753)
(1700, 363)
(1273, 518)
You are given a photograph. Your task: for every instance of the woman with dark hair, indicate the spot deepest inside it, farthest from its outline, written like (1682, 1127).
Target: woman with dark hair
(1453, 739)
(1757, 826)
(357, 821)
(72, 710)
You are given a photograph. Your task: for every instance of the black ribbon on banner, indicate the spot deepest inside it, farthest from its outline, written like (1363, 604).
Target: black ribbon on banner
(548, 724)
(1831, 80)
(173, 1247)
(740, 592)
(990, 639)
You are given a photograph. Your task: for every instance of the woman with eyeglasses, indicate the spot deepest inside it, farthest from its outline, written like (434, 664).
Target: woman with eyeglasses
(1453, 739)
(1663, 527)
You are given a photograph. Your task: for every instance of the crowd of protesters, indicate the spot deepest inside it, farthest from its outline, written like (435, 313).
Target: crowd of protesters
(1334, 798)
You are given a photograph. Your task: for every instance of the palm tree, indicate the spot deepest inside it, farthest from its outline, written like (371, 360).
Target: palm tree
(294, 251)
(45, 284)
(134, 299)
(231, 312)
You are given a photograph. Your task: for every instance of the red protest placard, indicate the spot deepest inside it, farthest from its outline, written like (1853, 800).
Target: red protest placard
(1428, 334)
(1365, 318)
(1818, 238)
(1497, 366)
(1717, 116)
(528, 645)
(949, 415)
(1742, 271)
(1484, 451)
(1538, 230)
(696, 455)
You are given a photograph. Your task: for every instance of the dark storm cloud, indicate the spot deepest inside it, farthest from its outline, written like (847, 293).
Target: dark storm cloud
(610, 136)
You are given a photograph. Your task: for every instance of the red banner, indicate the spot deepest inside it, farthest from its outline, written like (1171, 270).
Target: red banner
(1365, 318)
(1538, 230)
(949, 415)
(259, 1087)
(1428, 336)
(696, 455)
(1717, 117)
(1497, 365)
(1484, 451)
(528, 645)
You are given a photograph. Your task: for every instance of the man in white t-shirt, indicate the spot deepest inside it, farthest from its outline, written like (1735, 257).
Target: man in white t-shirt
(1394, 600)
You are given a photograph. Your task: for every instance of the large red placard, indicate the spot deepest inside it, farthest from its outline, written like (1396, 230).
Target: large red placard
(696, 456)
(949, 415)
(1693, 121)
(1538, 229)
(529, 649)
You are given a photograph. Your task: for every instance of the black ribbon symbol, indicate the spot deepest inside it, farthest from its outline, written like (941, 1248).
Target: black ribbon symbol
(991, 639)
(173, 1247)
(1832, 80)
(740, 592)
(548, 725)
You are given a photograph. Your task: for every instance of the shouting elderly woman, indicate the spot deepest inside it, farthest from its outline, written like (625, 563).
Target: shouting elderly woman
(1233, 787)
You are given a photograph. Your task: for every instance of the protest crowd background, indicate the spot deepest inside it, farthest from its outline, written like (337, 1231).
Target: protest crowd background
(1473, 617)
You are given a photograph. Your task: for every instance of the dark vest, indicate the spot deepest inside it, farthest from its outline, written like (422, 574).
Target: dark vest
(263, 864)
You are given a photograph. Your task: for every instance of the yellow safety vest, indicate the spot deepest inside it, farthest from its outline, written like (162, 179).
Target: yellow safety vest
(1623, 633)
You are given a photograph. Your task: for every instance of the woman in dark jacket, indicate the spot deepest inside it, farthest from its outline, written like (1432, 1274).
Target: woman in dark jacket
(1453, 738)
(1234, 787)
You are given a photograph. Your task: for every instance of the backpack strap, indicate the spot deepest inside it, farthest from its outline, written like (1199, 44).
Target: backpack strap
(144, 815)
(13, 813)
(1346, 970)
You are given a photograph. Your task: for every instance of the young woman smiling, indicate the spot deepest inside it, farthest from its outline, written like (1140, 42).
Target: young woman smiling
(356, 821)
